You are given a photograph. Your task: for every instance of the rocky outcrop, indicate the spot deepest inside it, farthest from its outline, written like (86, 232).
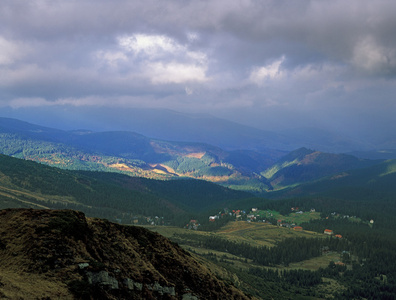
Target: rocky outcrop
(132, 285)
(103, 279)
(96, 259)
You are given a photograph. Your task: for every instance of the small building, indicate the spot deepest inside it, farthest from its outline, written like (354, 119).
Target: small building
(338, 236)
(297, 228)
(193, 224)
(254, 209)
(328, 232)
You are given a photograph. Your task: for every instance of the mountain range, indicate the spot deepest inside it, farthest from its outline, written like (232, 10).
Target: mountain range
(165, 124)
(134, 154)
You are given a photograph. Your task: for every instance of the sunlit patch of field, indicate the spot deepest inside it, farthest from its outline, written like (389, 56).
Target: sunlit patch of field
(215, 178)
(260, 234)
(205, 177)
(135, 171)
(160, 171)
(391, 168)
(315, 263)
(255, 234)
(121, 167)
(167, 168)
(198, 155)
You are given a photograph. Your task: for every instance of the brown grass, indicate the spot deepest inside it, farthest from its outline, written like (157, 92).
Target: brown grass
(198, 155)
(40, 251)
(121, 167)
(16, 285)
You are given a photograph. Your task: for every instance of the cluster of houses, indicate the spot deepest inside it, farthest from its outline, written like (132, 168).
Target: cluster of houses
(237, 213)
(254, 217)
(293, 226)
(193, 224)
(298, 211)
(331, 232)
(240, 215)
(155, 220)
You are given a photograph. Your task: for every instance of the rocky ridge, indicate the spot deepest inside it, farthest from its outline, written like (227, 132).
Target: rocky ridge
(47, 254)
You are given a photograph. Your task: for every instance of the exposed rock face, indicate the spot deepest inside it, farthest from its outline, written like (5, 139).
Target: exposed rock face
(102, 278)
(96, 259)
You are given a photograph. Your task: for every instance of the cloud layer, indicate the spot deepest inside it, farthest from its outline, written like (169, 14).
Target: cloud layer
(265, 63)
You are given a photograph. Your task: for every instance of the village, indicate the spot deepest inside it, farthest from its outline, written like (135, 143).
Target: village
(292, 221)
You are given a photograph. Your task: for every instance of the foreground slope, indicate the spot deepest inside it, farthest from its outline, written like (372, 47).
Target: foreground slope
(69, 256)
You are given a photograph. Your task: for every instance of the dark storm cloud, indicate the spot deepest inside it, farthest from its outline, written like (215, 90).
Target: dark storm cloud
(316, 60)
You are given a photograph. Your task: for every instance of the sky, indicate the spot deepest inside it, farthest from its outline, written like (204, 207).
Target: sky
(271, 64)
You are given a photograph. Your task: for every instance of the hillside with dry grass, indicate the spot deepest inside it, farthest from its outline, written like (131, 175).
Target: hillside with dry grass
(61, 254)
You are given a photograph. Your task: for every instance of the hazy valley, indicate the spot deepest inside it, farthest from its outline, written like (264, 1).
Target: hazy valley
(263, 224)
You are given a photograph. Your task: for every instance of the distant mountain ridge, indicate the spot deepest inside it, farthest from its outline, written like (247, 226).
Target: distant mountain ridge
(165, 124)
(134, 154)
(303, 165)
(373, 184)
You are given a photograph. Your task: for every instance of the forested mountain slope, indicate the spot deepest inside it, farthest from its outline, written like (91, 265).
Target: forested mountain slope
(369, 184)
(109, 195)
(303, 165)
(368, 193)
